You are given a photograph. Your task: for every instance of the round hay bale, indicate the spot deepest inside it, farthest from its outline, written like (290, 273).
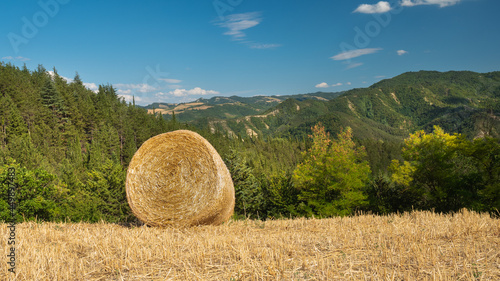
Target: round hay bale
(178, 178)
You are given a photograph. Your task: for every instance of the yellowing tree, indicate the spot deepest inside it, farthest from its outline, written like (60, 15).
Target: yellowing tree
(332, 176)
(427, 153)
(438, 170)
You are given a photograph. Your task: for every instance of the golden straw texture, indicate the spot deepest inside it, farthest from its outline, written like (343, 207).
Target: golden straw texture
(179, 179)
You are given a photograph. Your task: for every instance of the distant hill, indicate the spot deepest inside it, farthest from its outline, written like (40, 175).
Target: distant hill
(459, 101)
(229, 107)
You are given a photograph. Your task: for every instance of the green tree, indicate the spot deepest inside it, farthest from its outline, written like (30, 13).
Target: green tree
(248, 194)
(51, 97)
(11, 122)
(333, 175)
(106, 184)
(486, 153)
(38, 195)
(280, 195)
(438, 170)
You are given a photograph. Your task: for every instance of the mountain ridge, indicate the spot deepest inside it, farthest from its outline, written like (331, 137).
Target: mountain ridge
(459, 101)
(229, 107)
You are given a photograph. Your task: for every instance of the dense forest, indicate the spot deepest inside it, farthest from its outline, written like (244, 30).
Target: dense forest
(423, 140)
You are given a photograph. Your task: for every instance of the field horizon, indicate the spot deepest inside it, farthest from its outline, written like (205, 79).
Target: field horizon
(419, 245)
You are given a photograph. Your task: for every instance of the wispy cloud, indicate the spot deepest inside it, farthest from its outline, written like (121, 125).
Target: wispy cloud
(22, 58)
(237, 24)
(355, 53)
(380, 76)
(322, 85)
(169, 91)
(197, 91)
(124, 92)
(18, 58)
(138, 92)
(263, 46)
(354, 65)
(129, 98)
(325, 85)
(141, 88)
(441, 3)
(401, 52)
(380, 7)
(171, 81)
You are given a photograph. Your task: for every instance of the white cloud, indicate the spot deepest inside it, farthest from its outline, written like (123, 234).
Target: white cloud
(263, 46)
(91, 86)
(52, 74)
(355, 53)
(325, 85)
(322, 85)
(129, 98)
(354, 65)
(380, 7)
(171, 81)
(236, 23)
(124, 92)
(348, 83)
(22, 58)
(441, 3)
(197, 91)
(18, 58)
(141, 88)
(401, 52)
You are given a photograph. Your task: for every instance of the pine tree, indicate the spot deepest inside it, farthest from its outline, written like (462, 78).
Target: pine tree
(77, 79)
(249, 197)
(51, 97)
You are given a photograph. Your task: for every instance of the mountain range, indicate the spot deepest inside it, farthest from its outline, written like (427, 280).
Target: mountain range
(458, 101)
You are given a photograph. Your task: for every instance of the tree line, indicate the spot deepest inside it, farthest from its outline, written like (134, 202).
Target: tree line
(437, 171)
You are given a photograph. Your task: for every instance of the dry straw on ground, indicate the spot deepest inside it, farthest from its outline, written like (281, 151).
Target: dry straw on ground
(412, 246)
(178, 178)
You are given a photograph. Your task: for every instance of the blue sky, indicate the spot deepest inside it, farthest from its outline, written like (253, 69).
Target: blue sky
(181, 50)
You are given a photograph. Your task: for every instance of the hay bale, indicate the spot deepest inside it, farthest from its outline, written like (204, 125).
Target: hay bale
(179, 179)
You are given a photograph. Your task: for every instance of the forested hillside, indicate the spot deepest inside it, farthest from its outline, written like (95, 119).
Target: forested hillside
(70, 145)
(217, 108)
(459, 101)
(306, 155)
(383, 114)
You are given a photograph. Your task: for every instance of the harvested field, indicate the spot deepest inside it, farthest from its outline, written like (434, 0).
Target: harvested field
(412, 246)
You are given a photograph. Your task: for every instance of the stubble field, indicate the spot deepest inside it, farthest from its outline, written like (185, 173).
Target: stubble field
(410, 246)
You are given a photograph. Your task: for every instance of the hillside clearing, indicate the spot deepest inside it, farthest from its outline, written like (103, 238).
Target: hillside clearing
(412, 246)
